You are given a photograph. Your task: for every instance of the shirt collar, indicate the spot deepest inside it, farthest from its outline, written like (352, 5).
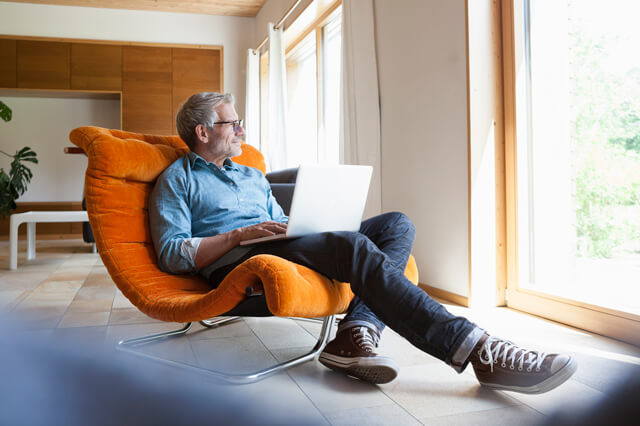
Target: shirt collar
(193, 158)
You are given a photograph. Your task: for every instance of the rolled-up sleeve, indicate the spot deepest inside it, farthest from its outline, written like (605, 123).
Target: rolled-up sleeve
(170, 222)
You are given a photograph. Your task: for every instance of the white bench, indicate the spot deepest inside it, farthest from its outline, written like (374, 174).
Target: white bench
(31, 218)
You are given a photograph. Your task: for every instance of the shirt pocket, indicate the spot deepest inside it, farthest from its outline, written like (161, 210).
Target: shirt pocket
(213, 200)
(253, 197)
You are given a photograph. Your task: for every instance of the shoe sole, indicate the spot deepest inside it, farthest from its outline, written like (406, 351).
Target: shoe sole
(376, 370)
(552, 382)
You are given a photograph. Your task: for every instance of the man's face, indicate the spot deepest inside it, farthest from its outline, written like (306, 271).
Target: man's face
(222, 141)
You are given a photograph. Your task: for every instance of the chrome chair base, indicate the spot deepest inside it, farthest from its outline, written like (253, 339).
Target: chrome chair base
(236, 379)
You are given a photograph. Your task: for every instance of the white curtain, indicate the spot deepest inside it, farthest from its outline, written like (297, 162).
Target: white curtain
(360, 118)
(277, 142)
(252, 101)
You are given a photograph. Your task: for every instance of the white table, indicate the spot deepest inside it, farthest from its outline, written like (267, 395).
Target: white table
(31, 218)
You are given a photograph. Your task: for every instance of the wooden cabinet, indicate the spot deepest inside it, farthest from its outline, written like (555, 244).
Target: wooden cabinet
(7, 63)
(96, 67)
(194, 71)
(146, 90)
(43, 64)
(153, 80)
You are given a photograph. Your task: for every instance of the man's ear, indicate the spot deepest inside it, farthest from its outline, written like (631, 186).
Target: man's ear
(201, 134)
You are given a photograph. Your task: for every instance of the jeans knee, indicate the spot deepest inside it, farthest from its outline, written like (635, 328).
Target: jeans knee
(401, 219)
(353, 240)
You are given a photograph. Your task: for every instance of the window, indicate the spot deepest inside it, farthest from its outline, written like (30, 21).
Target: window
(313, 60)
(302, 102)
(576, 166)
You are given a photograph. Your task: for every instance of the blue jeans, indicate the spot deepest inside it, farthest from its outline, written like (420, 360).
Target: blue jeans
(373, 262)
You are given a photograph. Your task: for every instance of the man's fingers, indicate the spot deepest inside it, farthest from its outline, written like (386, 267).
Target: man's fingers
(278, 228)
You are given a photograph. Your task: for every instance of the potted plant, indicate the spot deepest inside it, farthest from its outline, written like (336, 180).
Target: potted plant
(14, 184)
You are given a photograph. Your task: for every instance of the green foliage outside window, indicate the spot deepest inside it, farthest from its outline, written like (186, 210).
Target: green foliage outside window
(606, 132)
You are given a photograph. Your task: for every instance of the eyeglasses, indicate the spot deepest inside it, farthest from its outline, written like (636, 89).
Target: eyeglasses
(236, 124)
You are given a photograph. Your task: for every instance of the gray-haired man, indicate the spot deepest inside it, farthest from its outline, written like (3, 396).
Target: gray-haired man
(204, 205)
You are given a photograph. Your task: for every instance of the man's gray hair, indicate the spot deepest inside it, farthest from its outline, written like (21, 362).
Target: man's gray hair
(199, 109)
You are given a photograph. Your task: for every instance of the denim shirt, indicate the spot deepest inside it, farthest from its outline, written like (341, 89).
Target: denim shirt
(194, 198)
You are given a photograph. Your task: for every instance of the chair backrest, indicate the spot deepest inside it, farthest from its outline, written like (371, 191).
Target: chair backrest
(122, 169)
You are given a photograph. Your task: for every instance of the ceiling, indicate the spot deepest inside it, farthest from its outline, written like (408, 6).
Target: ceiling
(208, 7)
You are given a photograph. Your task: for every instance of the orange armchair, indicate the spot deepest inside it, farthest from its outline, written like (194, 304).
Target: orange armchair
(121, 171)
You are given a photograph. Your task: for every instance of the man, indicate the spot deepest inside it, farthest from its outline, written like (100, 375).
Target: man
(204, 205)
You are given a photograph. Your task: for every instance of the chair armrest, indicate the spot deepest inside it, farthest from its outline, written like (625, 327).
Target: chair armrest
(283, 176)
(283, 192)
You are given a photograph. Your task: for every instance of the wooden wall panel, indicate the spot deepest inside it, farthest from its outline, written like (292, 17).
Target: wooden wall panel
(194, 71)
(146, 90)
(7, 63)
(43, 65)
(96, 67)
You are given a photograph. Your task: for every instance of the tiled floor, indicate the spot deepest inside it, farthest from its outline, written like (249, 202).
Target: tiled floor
(66, 292)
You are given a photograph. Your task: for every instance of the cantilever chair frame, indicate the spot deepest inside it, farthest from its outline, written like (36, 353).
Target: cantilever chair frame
(235, 379)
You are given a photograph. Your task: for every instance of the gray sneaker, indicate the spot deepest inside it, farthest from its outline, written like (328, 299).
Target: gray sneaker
(352, 352)
(500, 364)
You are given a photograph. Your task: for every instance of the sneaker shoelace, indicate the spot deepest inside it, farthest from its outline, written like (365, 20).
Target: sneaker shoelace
(365, 338)
(493, 349)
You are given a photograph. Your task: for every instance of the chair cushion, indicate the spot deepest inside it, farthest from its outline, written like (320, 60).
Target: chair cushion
(120, 175)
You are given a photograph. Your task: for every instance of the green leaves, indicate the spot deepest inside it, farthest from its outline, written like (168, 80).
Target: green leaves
(15, 183)
(5, 112)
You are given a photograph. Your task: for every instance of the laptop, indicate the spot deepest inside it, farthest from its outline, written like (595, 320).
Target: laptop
(325, 199)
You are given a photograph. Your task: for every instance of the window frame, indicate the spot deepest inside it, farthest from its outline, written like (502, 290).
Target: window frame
(324, 16)
(620, 325)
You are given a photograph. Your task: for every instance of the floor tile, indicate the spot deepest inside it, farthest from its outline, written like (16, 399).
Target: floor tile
(601, 372)
(331, 391)
(390, 414)
(37, 315)
(278, 333)
(433, 390)
(98, 305)
(121, 302)
(22, 280)
(519, 414)
(402, 352)
(39, 264)
(9, 299)
(241, 355)
(71, 273)
(95, 293)
(41, 298)
(81, 259)
(235, 328)
(84, 319)
(115, 333)
(572, 394)
(87, 337)
(129, 316)
(174, 349)
(281, 396)
(51, 286)
(314, 327)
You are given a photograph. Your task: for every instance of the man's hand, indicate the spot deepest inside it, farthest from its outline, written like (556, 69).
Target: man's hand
(263, 229)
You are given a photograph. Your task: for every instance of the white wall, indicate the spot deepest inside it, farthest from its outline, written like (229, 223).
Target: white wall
(236, 34)
(421, 51)
(38, 123)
